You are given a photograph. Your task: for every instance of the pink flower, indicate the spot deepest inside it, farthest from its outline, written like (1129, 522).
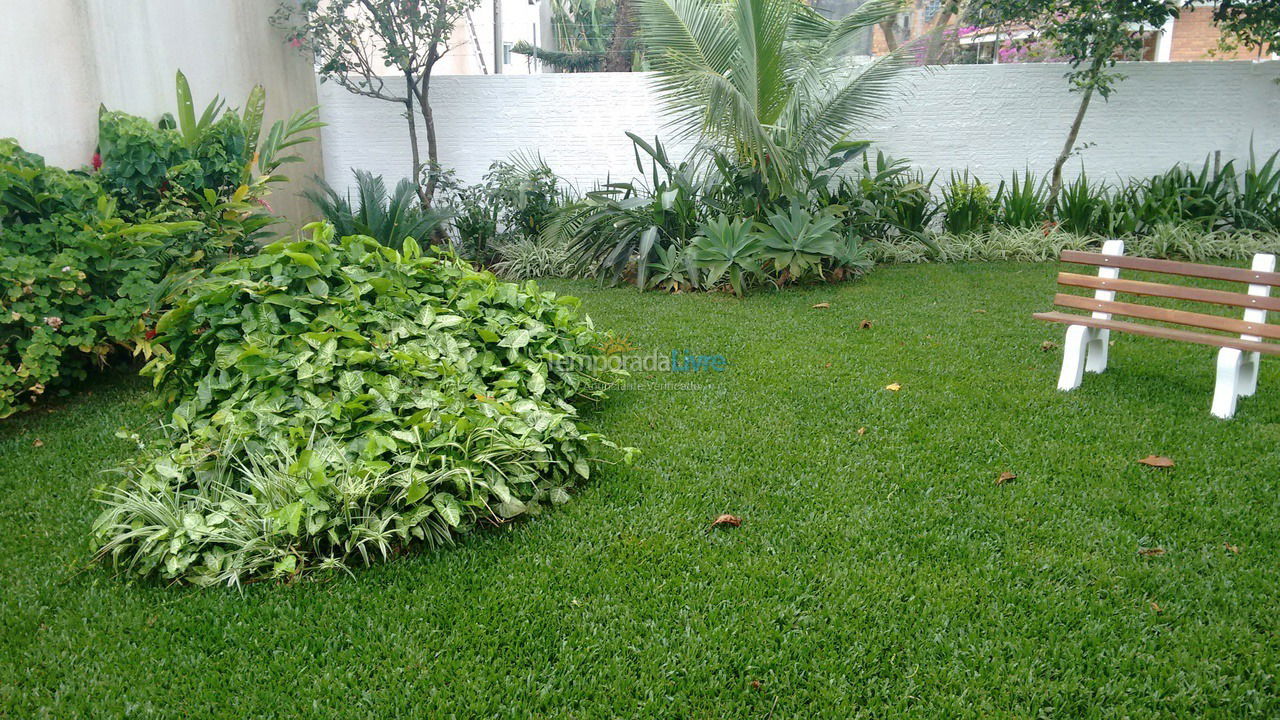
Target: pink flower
(263, 202)
(295, 42)
(53, 322)
(96, 162)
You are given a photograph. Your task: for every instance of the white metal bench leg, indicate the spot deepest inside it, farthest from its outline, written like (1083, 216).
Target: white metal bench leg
(1249, 373)
(1096, 357)
(1085, 348)
(1237, 369)
(1227, 388)
(1074, 349)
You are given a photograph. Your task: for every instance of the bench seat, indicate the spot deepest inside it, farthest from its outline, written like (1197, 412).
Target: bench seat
(1159, 331)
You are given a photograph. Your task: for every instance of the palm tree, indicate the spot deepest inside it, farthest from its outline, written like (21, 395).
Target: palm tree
(770, 82)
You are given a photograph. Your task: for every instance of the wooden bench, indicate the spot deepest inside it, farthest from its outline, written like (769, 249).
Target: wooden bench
(1088, 336)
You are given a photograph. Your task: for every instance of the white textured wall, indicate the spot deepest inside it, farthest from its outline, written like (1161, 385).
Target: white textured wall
(989, 118)
(62, 58)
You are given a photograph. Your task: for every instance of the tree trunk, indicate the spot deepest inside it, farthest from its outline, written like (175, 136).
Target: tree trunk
(423, 93)
(890, 40)
(938, 40)
(617, 59)
(1055, 181)
(413, 137)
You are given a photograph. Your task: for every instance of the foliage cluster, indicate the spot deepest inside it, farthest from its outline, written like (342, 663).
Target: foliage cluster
(89, 259)
(335, 400)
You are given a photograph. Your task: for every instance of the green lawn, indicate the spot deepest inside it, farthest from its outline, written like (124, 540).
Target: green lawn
(880, 575)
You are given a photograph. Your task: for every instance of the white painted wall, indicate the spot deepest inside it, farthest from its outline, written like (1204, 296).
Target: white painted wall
(989, 118)
(62, 58)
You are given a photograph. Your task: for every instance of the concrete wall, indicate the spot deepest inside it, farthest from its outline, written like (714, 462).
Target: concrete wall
(989, 119)
(62, 58)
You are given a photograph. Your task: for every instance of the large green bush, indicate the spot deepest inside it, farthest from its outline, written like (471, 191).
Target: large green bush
(75, 279)
(335, 401)
(89, 261)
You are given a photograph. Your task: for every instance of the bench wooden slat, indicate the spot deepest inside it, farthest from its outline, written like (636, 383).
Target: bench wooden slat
(1172, 267)
(1175, 292)
(1169, 315)
(1160, 332)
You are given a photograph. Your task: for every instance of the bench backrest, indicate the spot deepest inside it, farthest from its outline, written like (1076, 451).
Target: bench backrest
(1256, 301)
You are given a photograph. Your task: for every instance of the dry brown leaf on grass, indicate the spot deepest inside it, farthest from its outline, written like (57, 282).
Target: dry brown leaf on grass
(1048, 345)
(821, 306)
(1156, 606)
(1151, 552)
(727, 520)
(981, 311)
(1234, 549)
(894, 387)
(1158, 461)
(864, 325)
(38, 443)
(1005, 477)
(862, 431)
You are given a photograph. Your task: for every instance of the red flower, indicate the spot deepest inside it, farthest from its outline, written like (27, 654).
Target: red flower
(151, 334)
(96, 162)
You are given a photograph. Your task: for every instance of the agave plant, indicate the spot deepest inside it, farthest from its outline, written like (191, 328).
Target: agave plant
(796, 242)
(727, 246)
(767, 81)
(673, 270)
(386, 217)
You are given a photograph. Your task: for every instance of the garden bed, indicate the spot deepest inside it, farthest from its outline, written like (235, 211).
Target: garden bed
(883, 572)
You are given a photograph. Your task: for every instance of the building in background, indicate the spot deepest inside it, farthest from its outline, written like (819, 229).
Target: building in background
(1191, 37)
(472, 49)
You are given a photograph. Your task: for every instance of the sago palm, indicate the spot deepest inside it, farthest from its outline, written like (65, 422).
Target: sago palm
(769, 81)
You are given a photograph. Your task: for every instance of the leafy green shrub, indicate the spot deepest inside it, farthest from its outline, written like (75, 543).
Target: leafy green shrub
(613, 226)
(514, 205)
(87, 264)
(75, 279)
(895, 202)
(389, 218)
(967, 206)
(333, 402)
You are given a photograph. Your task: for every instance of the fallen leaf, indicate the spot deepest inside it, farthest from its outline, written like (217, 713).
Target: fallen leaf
(980, 310)
(755, 684)
(1048, 345)
(727, 519)
(38, 443)
(1151, 552)
(864, 325)
(1235, 549)
(821, 306)
(1155, 606)
(827, 365)
(1005, 477)
(895, 387)
(862, 431)
(1157, 461)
